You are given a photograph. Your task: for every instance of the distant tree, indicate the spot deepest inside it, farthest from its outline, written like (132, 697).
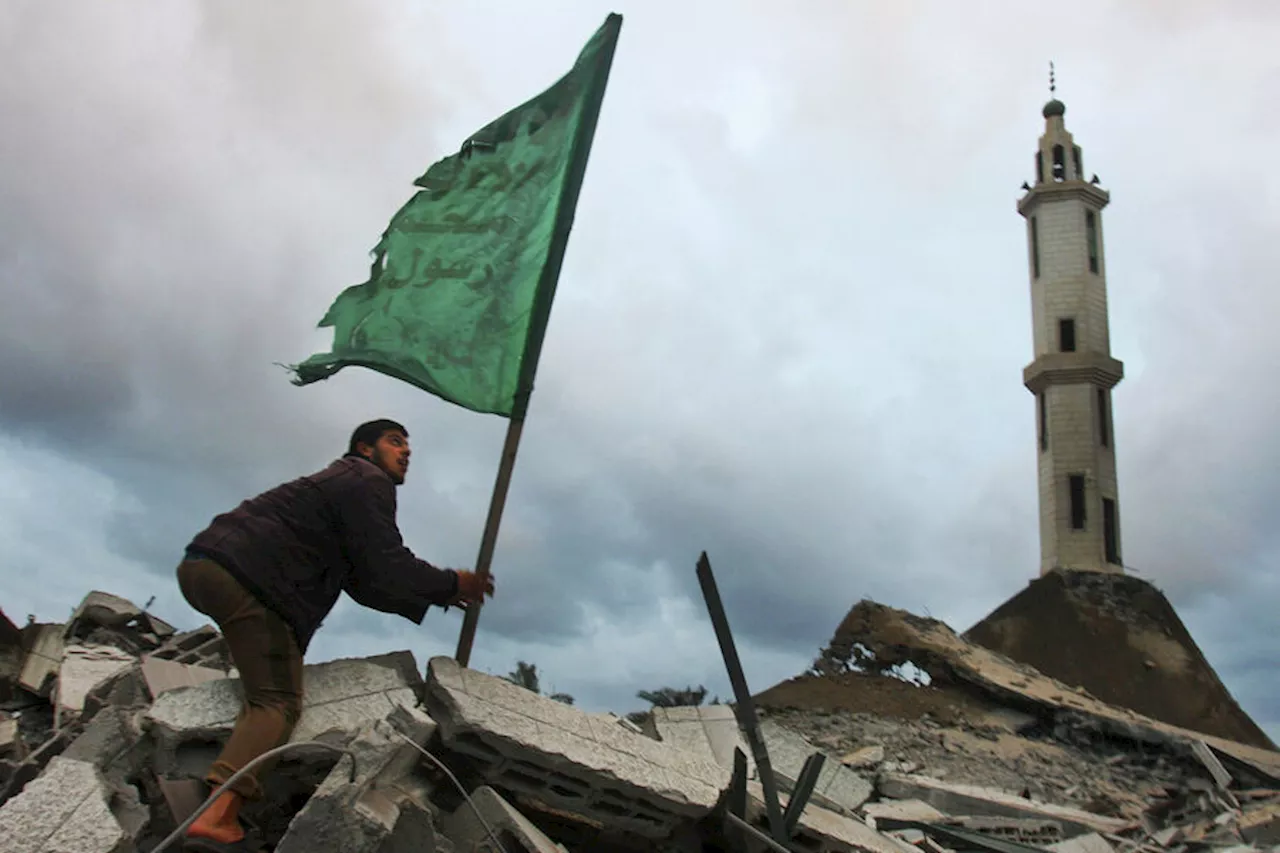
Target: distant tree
(526, 675)
(671, 697)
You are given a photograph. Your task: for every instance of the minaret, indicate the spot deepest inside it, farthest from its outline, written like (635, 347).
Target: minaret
(1073, 371)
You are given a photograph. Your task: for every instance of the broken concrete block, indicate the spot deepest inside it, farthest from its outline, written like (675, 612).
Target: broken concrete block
(566, 758)
(711, 730)
(972, 800)
(838, 788)
(10, 743)
(342, 694)
(112, 743)
(204, 647)
(1090, 842)
(68, 809)
(125, 689)
(162, 675)
(35, 763)
(902, 810)
(102, 609)
(85, 667)
(868, 756)
(1036, 832)
(43, 659)
(360, 816)
(514, 830)
(824, 831)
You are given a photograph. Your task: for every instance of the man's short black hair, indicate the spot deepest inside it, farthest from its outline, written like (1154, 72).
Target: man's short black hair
(369, 433)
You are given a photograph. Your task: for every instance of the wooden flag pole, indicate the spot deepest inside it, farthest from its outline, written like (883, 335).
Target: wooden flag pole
(539, 315)
(515, 426)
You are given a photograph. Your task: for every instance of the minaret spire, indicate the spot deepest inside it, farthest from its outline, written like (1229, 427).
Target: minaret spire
(1073, 372)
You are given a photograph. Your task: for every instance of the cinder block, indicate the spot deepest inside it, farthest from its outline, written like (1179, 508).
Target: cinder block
(567, 758)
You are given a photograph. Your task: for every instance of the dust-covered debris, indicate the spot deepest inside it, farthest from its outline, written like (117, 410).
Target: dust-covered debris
(110, 720)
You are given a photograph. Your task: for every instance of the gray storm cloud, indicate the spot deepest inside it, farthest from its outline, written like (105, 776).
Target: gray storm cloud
(790, 328)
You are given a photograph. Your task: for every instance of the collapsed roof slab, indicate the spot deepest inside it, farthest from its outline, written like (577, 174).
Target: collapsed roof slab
(568, 759)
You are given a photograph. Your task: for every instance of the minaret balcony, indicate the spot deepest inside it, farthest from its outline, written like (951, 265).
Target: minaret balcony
(1097, 197)
(1072, 368)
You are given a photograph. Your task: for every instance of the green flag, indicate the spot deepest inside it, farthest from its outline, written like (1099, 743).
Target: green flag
(463, 278)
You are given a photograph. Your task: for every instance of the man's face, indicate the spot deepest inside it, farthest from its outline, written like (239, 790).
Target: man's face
(391, 454)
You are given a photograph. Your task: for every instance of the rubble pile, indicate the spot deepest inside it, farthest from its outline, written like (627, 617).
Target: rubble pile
(110, 720)
(1118, 637)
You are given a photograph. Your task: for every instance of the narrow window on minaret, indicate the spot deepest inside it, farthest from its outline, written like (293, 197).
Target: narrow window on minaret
(1091, 235)
(1076, 484)
(1044, 422)
(1067, 335)
(1059, 164)
(1079, 162)
(1110, 532)
(1035, 248)
(1104, 425)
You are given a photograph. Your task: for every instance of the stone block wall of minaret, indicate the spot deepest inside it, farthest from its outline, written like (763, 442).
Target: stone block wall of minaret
(1072, 379)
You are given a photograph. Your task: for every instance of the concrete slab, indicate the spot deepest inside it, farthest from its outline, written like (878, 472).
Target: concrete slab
(516, 832)
(67, 810)
(569, 759)
(838, 788)
(707, 729)
(83, 668)
(342, 694)
(162, 675)
(43, 659)
(967, 800)
(824, 831)
(365, 815)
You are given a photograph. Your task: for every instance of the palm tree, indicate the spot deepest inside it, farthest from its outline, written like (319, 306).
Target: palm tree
(526, 675)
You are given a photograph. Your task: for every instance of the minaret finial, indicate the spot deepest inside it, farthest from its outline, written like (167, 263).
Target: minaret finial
(1053, 84)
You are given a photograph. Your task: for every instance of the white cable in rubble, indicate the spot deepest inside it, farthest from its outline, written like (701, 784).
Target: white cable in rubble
(182, 828)
(217, 792)
(461, 790)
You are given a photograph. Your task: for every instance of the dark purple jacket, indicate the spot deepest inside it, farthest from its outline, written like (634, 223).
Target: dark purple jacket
(299, 546)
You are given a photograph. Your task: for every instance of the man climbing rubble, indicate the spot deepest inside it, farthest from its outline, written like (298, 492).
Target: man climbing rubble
(269, 572)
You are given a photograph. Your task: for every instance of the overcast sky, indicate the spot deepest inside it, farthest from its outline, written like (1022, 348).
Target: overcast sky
(790, 328)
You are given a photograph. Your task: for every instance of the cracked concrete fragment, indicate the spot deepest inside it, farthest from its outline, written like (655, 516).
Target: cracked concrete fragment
(516, 832)
(85, 667)
(67, 809)
(382, 806)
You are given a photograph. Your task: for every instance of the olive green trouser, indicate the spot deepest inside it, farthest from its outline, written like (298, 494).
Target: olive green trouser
(264, 650)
